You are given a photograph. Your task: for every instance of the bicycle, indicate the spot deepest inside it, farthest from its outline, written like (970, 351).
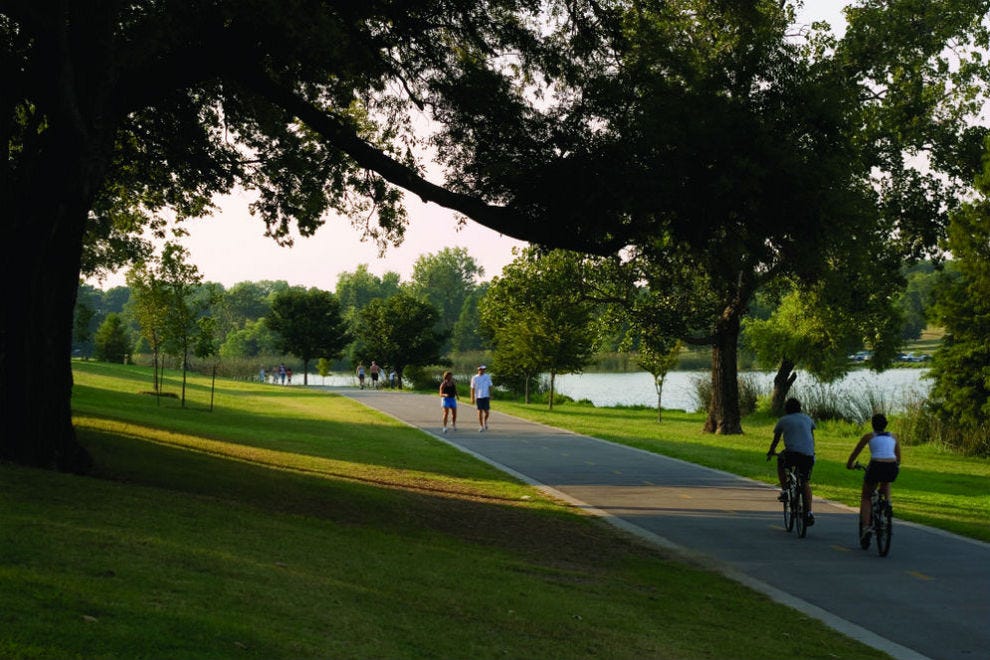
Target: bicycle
(881, 521)
(795, 508)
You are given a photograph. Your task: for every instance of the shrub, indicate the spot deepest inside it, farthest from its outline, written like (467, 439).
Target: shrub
(750, 393)
(921, 423)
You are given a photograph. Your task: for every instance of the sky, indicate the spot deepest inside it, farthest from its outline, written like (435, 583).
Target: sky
(230, 246)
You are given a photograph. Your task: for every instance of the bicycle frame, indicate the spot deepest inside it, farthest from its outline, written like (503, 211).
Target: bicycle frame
(881, 520)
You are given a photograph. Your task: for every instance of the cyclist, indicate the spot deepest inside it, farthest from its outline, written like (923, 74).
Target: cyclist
(798, 431)
(885, 461)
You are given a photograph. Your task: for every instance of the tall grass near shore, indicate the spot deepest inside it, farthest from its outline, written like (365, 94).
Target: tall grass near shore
(293, 523)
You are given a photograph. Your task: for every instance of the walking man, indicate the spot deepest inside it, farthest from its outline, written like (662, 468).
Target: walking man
(481, 392)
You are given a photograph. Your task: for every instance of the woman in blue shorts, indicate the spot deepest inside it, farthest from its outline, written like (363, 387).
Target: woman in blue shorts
(448, 400)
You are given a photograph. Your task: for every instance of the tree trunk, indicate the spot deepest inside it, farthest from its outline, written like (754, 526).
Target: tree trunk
(46, 215)
(782, 385)
(552, 377)
(724, 417)
(658, 384)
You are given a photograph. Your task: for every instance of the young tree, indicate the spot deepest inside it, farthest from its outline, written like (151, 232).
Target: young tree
(206, 345)
(308, 325)
(149, 307)
(538, 316)
(111, 342)
(180, 280)
(657, 356)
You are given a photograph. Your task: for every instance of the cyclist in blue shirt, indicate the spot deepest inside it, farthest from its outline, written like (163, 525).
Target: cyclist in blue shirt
(798, 432)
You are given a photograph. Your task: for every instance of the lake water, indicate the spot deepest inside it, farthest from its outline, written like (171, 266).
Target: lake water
(893, 387)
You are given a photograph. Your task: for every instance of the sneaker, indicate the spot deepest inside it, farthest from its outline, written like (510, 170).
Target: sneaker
(865, 537)
(445, 429)
(782, 497)
(481, 429)
(809, 519)
(454, 429)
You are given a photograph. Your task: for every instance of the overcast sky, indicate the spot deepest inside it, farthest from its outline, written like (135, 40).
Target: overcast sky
(230, 246)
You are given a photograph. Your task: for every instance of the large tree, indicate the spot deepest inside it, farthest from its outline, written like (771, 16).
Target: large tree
(114, 113)
(398, 332)
(308, 324)
(961, 366)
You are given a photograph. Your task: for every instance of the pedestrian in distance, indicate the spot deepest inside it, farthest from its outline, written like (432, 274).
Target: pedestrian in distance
(481, 392)
(884, 466)
(360, 374)
(448, 400)
(374, 369)
(798, 432)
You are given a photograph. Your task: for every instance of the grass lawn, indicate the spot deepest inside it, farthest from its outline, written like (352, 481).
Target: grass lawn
(290, 523)
(937, 487)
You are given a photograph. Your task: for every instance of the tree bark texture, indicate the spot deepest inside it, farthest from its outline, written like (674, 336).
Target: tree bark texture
(46, 215)
(723, 414)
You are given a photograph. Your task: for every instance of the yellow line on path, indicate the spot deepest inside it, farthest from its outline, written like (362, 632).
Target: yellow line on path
(920, 576)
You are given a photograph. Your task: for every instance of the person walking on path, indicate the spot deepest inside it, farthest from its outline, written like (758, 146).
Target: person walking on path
(448, 400)
(798, 431)
(374, 369)
(481, 392)
(360, 374)
(885, 462)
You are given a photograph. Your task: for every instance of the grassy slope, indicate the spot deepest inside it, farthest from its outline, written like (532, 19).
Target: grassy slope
(293, 524)
(936, 487)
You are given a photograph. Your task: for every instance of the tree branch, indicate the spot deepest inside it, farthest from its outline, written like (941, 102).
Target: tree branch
(515, 223)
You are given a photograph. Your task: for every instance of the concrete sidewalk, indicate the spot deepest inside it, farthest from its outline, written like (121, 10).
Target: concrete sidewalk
(930, 598)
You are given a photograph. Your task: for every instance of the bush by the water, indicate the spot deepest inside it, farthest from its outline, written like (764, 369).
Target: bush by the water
(920, 423)
(749, 393)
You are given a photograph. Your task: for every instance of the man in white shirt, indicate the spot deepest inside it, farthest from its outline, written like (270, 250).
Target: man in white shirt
(481, 392)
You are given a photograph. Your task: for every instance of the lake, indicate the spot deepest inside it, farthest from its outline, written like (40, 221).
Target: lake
(894, 387)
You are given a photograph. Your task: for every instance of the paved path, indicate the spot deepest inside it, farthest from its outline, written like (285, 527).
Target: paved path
(930, 598)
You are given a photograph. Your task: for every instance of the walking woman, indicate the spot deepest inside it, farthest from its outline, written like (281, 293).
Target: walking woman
(448, 400)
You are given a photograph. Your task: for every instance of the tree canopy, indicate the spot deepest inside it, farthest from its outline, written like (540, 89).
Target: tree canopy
(308, 324)
(576, 124)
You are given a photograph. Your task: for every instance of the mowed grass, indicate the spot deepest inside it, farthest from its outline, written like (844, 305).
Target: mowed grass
(936, 486)
(290, 523)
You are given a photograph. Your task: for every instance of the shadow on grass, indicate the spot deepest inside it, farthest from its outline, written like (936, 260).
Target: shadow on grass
(522, 527)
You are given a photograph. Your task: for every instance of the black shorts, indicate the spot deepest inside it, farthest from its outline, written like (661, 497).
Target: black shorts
(803, 462)
(880, 472)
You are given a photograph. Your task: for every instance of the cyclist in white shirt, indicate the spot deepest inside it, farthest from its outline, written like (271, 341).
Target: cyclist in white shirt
(885, 462)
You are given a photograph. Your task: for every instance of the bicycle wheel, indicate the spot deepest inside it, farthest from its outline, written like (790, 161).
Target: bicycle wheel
(788, 510)
(884, 526)
(799, 513)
